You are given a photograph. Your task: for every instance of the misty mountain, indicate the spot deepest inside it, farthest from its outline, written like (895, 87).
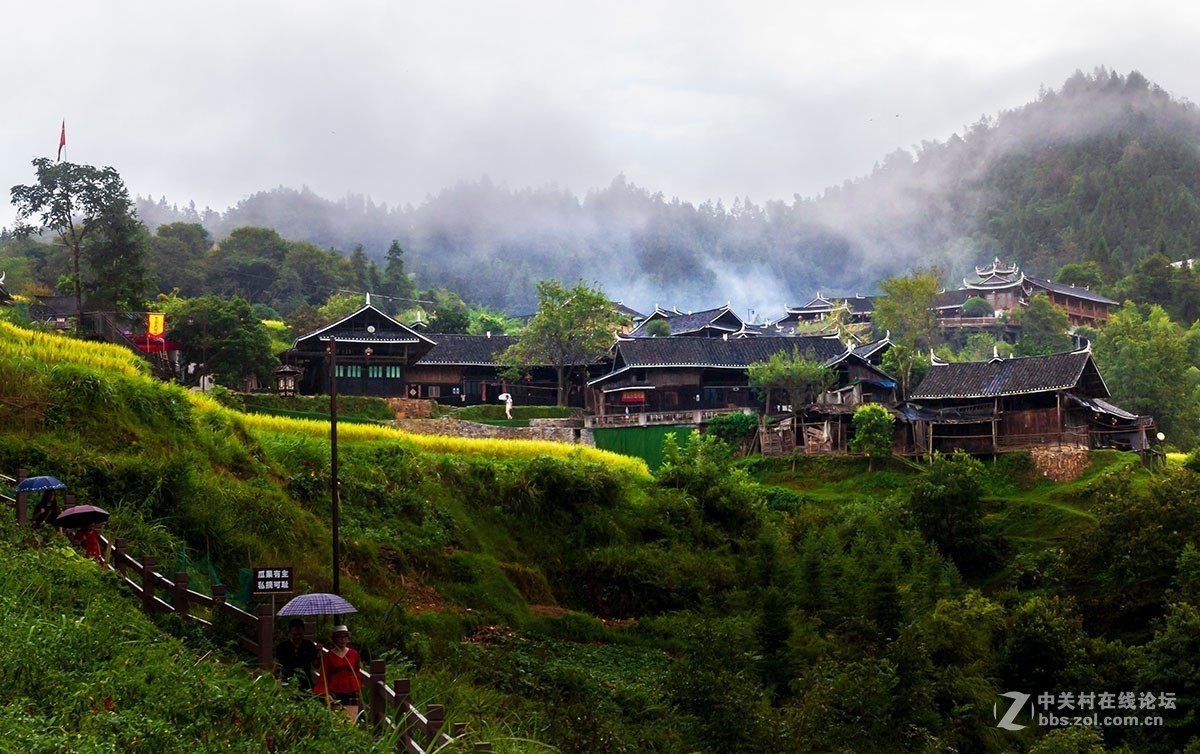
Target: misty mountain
(1104, 169)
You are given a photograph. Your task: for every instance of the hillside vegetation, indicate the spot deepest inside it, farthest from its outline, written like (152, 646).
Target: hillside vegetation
(566, 599)
(1103, 169)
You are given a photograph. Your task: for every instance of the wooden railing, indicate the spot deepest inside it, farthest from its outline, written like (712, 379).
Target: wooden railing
(388, 709)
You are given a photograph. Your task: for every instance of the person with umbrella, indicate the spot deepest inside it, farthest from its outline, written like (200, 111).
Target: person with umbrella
(506, 398)
(340, 681)
(47, 509)
(297, 656)
(85, 518)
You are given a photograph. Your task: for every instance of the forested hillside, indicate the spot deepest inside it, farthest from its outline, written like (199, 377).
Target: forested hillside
(567, 599)
(1102, 169)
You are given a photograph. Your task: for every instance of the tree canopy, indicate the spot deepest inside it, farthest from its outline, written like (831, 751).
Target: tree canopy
(573, 327)
(89, 210)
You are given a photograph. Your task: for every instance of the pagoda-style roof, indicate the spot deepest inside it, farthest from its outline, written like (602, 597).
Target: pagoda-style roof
(466, 350)
(995, 276)
(711, 322)
(822, 304)
(1075, 371)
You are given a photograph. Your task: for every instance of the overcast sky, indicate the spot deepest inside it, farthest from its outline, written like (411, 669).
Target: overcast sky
(212, 101)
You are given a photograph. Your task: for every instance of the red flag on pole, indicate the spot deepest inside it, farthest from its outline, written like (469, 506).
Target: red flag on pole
(62, 139)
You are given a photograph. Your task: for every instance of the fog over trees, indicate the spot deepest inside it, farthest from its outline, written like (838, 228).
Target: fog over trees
(1103, 169)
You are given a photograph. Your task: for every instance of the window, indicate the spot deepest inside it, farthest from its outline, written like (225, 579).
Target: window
(374, 372)
(435, 391)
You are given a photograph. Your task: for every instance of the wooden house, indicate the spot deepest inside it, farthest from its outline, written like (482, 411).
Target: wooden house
(1006, 404)
(374, 354)
(855, 308)
(1006, 288)
(682, 380)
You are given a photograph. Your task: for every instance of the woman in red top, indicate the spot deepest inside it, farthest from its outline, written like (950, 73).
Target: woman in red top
(89, 539)
(339, 673)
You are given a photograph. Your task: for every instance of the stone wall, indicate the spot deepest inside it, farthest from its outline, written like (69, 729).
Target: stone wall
(410, 408)
(1060, 464)
(556, 430)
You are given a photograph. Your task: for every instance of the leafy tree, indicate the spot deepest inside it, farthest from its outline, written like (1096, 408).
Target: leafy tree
(982, 346)
(395, 283)
(114, 272)
(907, 312)
(977, 306)
(79, 203)
(873, 431)
(176, 257)
(449, 313)
(658, 328)
(1080, 274)
(484, 321)
(223, 337)
(573, 327)
(1146, 362)
(247, 263)
(800, 376)
(945, 505)
(337, 306)
(1123, 570)
(1043, 327)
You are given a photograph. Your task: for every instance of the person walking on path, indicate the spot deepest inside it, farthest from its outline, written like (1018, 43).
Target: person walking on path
(88, 538)
(340, 681)
(296, 656)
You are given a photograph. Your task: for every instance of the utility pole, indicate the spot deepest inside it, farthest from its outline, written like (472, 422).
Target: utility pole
(333, 463)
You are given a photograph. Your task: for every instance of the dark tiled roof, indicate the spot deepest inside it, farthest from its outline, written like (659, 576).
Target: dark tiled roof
(855, 303)
(1071, 290)
(867, 350)
(475, 350)
(691, 322)
(633, 314)
(718, 352)
(953, 298)
(999, 377)
(365, 325)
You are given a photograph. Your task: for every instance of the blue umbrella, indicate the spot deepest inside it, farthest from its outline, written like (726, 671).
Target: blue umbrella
(39, 484)
(317, 603)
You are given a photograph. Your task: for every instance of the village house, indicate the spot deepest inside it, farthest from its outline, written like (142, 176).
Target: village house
(1008, 404)
(1006, 288)
(685, 380)
(374, 354)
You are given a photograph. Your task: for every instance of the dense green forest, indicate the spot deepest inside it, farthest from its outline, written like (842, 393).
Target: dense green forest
(1103, 169)
(718, 606)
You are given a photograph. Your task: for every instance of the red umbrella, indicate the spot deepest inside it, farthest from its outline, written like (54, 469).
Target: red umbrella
(79, 516)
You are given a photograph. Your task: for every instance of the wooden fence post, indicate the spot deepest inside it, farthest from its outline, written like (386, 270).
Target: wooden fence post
(402, 688)
(148, 584)
(119, 555)
(377, 700)
(22, 499)
(266, 636)
(218, 596)
(436, 717)
(180, 596)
